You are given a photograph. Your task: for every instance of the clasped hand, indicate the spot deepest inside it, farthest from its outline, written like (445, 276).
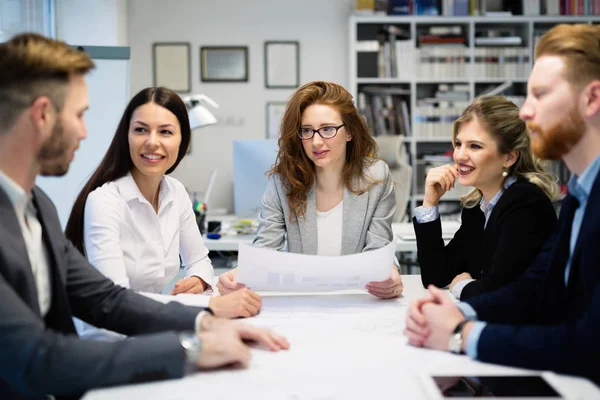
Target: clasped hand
(431, 320)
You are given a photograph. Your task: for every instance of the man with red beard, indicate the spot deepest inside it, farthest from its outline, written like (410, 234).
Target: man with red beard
(550, 318)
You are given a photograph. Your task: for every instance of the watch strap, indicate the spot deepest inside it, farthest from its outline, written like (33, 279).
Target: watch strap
(456, 339)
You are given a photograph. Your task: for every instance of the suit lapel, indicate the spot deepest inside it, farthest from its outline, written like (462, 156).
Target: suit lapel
(12, 238)
(355, 209)
(59, 315)
(308, 224)
(589, 226)
(591, 220)
(47, 234)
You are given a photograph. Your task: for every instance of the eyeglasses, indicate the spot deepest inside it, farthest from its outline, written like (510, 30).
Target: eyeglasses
(326, 132)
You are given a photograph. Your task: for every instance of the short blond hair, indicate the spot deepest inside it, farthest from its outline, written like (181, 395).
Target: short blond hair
(31, 66)
(579, 47)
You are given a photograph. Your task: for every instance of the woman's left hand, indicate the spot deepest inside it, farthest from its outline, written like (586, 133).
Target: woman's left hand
(458, 278)
(389, 288)
(193, 285)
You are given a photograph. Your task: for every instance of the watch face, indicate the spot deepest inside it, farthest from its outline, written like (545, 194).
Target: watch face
(455, 343)
(191, 344)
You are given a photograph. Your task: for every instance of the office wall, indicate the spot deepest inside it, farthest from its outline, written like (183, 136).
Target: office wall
(92, 22)
(321, 27)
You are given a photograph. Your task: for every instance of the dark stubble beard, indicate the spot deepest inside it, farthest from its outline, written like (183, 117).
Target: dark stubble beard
(557, 140)
(53, 156)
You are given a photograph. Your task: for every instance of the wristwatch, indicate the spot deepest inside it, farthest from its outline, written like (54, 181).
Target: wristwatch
(192, 345)
(456, 339)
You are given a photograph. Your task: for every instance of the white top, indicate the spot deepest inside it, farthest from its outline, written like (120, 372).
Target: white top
(31, 229)
(329, 231)
(131, 244)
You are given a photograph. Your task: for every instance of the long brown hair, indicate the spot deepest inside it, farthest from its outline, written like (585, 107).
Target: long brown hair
(117, 161)
(499, 117)
(296, 170)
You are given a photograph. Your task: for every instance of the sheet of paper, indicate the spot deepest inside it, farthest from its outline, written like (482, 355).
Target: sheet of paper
(198, 300)
(268, 270)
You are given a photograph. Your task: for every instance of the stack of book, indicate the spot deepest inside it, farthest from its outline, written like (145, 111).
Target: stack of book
(434, 116)
(501, 62)
(442, 52)
(385, 110)
(394, 53)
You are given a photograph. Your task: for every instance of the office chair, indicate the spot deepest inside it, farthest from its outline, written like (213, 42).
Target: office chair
(393, 152)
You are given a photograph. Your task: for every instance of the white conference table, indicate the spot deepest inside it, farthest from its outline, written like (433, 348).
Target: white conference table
(404, 233)
(343, 346)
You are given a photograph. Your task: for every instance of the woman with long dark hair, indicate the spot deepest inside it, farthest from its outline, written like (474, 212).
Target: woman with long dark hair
(136, 224)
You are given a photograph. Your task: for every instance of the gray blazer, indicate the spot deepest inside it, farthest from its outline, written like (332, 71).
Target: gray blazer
(43, 355)
(367, 217)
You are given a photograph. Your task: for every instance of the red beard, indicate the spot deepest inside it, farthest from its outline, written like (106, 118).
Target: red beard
(557, 140)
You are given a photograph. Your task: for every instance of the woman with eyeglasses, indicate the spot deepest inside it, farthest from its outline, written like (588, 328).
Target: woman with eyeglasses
(326, 192)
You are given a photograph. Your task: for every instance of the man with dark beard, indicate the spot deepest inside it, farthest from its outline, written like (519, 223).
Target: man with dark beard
(44, 279)
(550, 318)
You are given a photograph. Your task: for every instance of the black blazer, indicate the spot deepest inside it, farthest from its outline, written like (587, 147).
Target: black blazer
(520, 223)
(537, 322)
(44, 355)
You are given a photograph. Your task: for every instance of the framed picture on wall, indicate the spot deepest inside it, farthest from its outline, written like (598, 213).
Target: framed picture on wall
(282, 64)
(275, 111)
(171, 66)
(224, 64)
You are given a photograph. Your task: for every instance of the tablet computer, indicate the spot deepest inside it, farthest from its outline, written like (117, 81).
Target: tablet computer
(491, 387)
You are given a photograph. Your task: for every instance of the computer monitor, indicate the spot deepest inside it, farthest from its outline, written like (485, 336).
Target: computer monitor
(251, 160)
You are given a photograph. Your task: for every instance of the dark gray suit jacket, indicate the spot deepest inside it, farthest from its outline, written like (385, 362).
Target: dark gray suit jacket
(44, 355)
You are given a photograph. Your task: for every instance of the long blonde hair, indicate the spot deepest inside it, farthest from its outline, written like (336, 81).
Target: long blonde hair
(499, 117)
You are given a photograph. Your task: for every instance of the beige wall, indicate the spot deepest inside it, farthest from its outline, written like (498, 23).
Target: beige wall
(321, 27)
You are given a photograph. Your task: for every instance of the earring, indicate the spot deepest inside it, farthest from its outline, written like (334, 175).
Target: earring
(504, 174)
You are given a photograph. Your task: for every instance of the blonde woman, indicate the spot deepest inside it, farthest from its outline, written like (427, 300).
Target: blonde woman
(506, 218)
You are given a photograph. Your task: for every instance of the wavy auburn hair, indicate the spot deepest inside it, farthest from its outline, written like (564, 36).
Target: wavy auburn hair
(296, 170)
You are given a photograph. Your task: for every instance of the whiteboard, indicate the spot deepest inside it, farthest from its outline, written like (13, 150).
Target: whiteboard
(108, 90)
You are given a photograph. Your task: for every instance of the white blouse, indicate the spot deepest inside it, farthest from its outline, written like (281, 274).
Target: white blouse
(329, 231)
(137, 248)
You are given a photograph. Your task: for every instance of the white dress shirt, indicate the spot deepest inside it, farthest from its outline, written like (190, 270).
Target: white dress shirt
(135, 247)
(31, 229)
(329, 231)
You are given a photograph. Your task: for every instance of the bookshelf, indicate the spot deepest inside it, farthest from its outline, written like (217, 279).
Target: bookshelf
(414, 75)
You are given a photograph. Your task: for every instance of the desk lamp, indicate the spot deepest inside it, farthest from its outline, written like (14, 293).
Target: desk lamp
(199, 117)
(198, 114)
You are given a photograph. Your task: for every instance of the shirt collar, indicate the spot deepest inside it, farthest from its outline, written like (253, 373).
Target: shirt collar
(484, 204)
(129, 190)
(16, 194)
(581, 186)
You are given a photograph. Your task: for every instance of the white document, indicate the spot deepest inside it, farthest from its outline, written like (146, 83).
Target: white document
(269, 270)
(197, 300)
